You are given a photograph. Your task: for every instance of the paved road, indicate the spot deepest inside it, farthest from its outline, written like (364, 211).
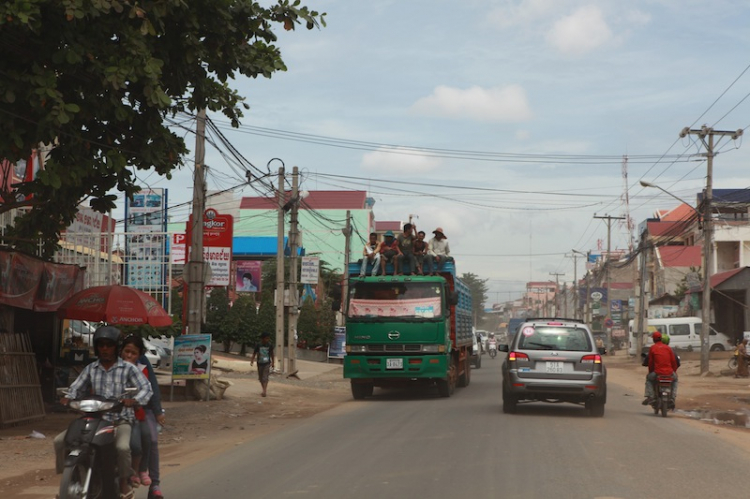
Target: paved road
(403, 444)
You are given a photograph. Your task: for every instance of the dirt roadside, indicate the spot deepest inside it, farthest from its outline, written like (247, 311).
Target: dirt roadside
(195, 431)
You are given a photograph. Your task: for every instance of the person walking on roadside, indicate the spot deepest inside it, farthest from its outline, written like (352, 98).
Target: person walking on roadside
(742, 371)
(265, 356)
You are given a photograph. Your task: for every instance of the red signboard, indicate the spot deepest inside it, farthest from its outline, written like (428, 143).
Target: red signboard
(218, 231)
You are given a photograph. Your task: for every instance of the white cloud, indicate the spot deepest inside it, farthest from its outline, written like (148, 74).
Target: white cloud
(581, 32)
(496, 104)
(398, 160)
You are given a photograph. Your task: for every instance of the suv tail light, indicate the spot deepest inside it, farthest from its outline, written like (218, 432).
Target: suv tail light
(513, 356)
(594, 359)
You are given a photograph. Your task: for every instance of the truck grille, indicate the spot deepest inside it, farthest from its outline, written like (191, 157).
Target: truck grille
(394, 348)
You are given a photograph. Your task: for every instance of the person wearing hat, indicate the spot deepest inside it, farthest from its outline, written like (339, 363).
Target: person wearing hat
(661, 362)
(389, 251)
(439, 250)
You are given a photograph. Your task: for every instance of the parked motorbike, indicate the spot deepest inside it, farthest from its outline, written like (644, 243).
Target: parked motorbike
(91, 457)
(663, 401)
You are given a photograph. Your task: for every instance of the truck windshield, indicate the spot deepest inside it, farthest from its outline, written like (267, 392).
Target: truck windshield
(413, 300)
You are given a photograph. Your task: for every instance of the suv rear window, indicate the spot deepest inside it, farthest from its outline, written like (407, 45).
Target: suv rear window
(554, 338)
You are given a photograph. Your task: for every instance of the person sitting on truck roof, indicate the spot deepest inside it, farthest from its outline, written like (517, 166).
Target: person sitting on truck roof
(439, 250)
(371, 254)
(389, 251)
(406, 244)
(420, 253)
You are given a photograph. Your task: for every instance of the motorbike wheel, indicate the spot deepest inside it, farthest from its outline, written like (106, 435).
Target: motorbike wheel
(664, 402)
(733, 362)
(72, 481)
(493, 353)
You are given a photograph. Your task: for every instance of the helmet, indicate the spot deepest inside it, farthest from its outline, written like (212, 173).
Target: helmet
(665, 339)
(110, 333)
(656, 336)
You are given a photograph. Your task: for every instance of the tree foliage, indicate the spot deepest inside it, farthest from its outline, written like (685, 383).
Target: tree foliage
(100, 79)
(217, 309)
(241, 323)
(479, 290)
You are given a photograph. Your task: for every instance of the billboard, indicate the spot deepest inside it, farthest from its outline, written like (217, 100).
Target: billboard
(248, 276)
(310, 270)
(218, 231)
(191, 356)
(145, 225)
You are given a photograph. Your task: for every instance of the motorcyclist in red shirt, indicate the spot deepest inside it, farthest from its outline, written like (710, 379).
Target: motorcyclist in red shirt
(661, 362)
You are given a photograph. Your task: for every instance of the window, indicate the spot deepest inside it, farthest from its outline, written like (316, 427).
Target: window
(555, 338)
(679, 330)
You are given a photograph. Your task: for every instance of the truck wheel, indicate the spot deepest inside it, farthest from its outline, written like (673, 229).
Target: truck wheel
(465, 378)
(510, 403)
(361, 390)
(447, 386)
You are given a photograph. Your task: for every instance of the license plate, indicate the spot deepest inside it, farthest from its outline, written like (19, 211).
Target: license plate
(394, 363)
(554, 367)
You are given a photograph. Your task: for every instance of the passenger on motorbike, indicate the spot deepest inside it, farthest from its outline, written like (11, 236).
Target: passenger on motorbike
(108, 376)
(492, 342)
(665, 340)
(661, 362)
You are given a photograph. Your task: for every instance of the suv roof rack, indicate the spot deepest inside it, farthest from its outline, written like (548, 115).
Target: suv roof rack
(564, 319)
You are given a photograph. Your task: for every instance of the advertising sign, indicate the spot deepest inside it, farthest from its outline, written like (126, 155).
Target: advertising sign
(337, 348)
(218, 231)
(191, 357)
(248, 276)
(178, 249)
(145, 223)
(310, 271)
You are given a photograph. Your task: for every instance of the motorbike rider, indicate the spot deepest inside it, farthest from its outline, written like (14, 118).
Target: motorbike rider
(108, 376)
(662, 361)
(492, 342)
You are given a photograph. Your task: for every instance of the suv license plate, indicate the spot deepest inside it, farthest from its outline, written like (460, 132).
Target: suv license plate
(394, 363)
(554, 367)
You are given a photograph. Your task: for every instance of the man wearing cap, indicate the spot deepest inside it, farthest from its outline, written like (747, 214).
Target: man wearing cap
(661, 362)
(389, 251)
(438, 250)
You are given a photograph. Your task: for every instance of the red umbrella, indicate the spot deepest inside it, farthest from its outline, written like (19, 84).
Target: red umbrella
(114, 305)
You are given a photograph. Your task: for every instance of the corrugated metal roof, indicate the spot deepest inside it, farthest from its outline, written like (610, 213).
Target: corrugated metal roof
(681, 212)
(679, 256)
(717, 279)
(667, 229)
(316, 200)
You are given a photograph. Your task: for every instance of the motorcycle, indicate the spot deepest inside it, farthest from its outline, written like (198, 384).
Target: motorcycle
(493, 350)
(663, 401)
(733, 361)
(91, 457)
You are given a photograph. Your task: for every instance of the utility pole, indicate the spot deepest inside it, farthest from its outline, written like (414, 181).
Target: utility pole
(195, 270)
(577, 298)
(642, 317)
(347, 250)
(280, 198)
(706, 135)
(293, 291)
(587, 311)
(609, 219)
(557, 292)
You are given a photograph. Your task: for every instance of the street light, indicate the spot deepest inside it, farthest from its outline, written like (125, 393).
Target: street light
(706, 305)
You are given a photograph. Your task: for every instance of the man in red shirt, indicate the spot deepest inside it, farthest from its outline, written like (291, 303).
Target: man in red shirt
(661, 362)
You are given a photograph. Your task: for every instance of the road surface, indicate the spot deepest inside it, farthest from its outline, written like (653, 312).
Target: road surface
(402, 444)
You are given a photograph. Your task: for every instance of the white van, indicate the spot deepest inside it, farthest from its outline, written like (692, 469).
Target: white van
(684, 334)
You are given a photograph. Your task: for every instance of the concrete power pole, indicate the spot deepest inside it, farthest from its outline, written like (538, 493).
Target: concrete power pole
(280, 198)
(642, 317)
(577, 298)
(347, 250)
(557, 293)
(609, 219)
(195, 268)
(293, 291)
(707, 133)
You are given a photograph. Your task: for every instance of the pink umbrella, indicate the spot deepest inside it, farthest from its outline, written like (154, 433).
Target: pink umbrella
(115, 305)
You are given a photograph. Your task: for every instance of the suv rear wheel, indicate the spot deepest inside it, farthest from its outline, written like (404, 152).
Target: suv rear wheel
(595, 407)
(510, 403)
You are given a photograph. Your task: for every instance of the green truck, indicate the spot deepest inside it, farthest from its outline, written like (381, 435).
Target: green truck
(403, 330)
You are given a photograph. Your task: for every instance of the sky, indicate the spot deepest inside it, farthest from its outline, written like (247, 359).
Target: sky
(505, 122)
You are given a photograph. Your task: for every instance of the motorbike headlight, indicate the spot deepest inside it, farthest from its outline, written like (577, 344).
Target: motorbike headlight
(92, 405)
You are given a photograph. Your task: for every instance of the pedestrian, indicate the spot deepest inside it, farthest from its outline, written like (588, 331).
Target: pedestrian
(389, 252)
(742, 371)
(439, 250)
(406, 245)
(371, 255)
(264, 353)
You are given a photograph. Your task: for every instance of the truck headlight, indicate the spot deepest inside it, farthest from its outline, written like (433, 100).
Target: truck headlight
(356, 348)
(431, 348)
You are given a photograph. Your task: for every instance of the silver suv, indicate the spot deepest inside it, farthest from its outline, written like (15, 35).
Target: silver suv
(554, 360)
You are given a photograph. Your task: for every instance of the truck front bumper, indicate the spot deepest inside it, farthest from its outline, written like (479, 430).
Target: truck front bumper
(382, 366)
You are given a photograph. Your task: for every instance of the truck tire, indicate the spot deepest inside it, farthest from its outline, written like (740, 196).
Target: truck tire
(361, 390)
(465, 378)
(447, 386)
